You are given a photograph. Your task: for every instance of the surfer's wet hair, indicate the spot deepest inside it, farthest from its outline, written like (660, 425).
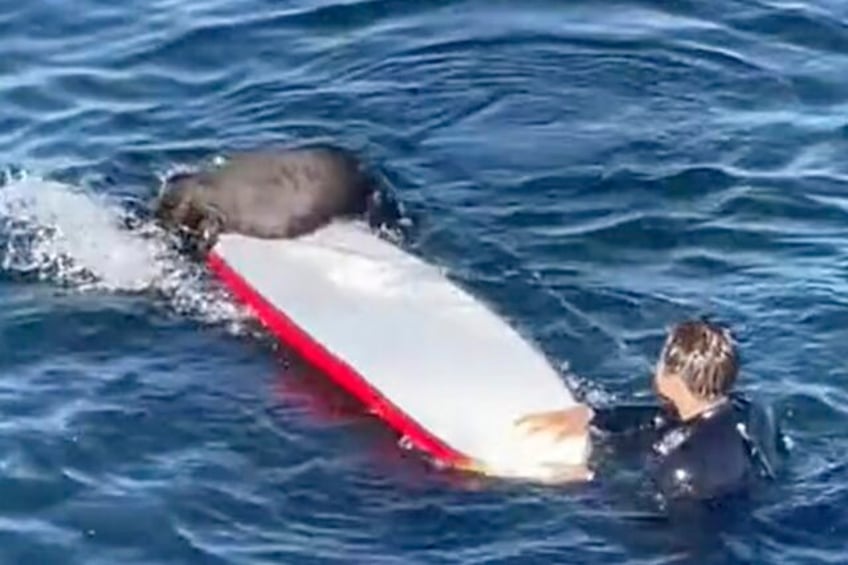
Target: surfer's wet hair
(704, 355)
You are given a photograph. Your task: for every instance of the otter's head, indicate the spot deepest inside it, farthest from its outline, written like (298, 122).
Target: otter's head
(176, 206)
(182, 208)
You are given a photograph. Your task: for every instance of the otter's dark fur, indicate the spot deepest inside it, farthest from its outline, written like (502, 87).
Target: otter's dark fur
(269, 194)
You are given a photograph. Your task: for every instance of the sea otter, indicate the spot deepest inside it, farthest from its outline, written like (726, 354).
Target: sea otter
(281, 193)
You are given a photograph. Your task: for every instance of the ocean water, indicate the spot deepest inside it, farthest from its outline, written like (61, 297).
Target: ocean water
(596, 170)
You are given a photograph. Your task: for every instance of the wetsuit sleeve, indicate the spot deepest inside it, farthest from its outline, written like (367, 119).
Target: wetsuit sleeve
(627, 418)
(628, 429)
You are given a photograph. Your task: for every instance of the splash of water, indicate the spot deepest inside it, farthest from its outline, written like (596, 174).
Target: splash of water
(72, 236)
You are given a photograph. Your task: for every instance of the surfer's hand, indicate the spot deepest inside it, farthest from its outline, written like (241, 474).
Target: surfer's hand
(559, 423)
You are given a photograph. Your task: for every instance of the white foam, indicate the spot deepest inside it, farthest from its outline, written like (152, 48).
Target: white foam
(78, 238)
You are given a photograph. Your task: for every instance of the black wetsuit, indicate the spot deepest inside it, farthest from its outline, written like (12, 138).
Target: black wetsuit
(718, 452)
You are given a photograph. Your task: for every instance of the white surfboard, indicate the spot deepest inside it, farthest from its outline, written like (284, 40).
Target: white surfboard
(424, 355)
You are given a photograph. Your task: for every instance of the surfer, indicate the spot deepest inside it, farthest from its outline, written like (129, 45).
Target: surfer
(702, 440)
(272, 194)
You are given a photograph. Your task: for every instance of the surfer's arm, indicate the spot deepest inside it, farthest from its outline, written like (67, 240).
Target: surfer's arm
(578, 420)
(627, 418)
(628, 428)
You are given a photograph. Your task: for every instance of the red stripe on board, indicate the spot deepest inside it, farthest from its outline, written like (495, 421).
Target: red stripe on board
(314, 353)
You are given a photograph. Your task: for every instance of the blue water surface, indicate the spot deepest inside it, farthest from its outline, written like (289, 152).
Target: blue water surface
(595, 170)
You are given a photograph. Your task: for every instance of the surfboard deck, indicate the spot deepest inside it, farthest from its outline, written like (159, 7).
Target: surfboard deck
(433, 362)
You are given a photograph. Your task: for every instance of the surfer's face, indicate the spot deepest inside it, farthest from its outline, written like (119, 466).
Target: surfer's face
(667, 387)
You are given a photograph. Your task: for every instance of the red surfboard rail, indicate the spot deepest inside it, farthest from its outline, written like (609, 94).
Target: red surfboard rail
(299, 340)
